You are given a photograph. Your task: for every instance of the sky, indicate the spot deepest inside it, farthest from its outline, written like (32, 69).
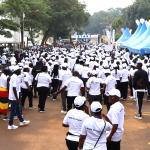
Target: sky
(98, 5)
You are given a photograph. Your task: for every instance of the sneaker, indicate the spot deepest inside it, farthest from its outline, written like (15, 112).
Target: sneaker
(41, 111)
(138, 117)
(24, 123)
(15, 117)
(12, 127)
(6, 118)
(30, 108)
(63, 112)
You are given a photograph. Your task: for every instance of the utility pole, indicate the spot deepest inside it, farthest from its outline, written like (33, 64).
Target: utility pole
(22, 30)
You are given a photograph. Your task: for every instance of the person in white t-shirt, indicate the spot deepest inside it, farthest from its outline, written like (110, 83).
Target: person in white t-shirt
(75, 87)
(43, 82)
(109, 84)
(74, 119)
(85, 73)
(93, 131)
(14, 97)
(124, 82)
(64, 75)
(26, 87)
(94, 87)
(116, 116)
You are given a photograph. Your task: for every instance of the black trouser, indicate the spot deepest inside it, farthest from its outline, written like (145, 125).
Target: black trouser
(124, 89)
(72, 145)
(149, 89)
(35, 88)
(118, 84)
(84, 81)
(106, 101)
(64, 99)
(113, 145)
(94, 98)
(55, 85)
(70, 102)
(131, 87)
(140, 96)
(26, 93)
(43, 92)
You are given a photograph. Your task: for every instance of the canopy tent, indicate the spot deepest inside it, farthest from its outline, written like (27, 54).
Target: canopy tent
(137, 37)
(125, 36)
(133, 36)
(139, 42)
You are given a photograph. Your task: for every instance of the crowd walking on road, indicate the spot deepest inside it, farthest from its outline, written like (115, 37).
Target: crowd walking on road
(88, 78)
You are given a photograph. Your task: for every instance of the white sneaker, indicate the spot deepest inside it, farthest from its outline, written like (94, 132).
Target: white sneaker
(12, 127)
(138, 117)
(24, 123)
(63, 112)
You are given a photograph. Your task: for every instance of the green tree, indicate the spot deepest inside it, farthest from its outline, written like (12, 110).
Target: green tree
(139, 9)
(100, 20)
(31, 15)
(6, 25)
(66, 16)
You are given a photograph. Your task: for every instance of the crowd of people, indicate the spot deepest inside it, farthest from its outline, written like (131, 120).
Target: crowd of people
(87, 77)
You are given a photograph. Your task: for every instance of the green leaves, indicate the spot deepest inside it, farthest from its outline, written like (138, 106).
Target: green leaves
(53, 17)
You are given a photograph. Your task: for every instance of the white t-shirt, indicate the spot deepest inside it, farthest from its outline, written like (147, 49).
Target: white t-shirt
(78, 68)
(93, 84)
(148, 72)
(117, 74)
(92, 128)
(101, 74)
(125, 75)
(43, 79)
(64, 75)
(110, 84)
(116, 115)
(74, 118)
(26, 78)
(74, 85)
(13, 84)
(85, 71)
(3, 80)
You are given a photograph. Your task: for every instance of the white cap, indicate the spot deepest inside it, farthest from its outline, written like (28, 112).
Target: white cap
(114, 92)
(26, 66)
(96, 107)
(65, 65)
(107, 71)
(16, 68)
(93, 72)
(79, 101)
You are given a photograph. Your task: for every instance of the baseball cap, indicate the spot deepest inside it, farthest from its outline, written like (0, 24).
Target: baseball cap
(96, 107)
(115, 92)
(64, 65)
(79, 101)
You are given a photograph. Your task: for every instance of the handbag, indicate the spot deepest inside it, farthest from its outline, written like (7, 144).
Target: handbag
(100, 135)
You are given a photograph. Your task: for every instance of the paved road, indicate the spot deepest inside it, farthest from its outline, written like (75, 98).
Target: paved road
(46, 133)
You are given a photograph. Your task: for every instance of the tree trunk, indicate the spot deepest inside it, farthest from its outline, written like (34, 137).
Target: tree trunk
(22, 33)
(31, 36)
(45, 37)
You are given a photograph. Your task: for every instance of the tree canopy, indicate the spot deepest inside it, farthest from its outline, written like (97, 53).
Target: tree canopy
(119, 18)
(54, 17)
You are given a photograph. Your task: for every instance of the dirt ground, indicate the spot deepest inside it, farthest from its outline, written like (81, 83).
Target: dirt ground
(46, 132)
